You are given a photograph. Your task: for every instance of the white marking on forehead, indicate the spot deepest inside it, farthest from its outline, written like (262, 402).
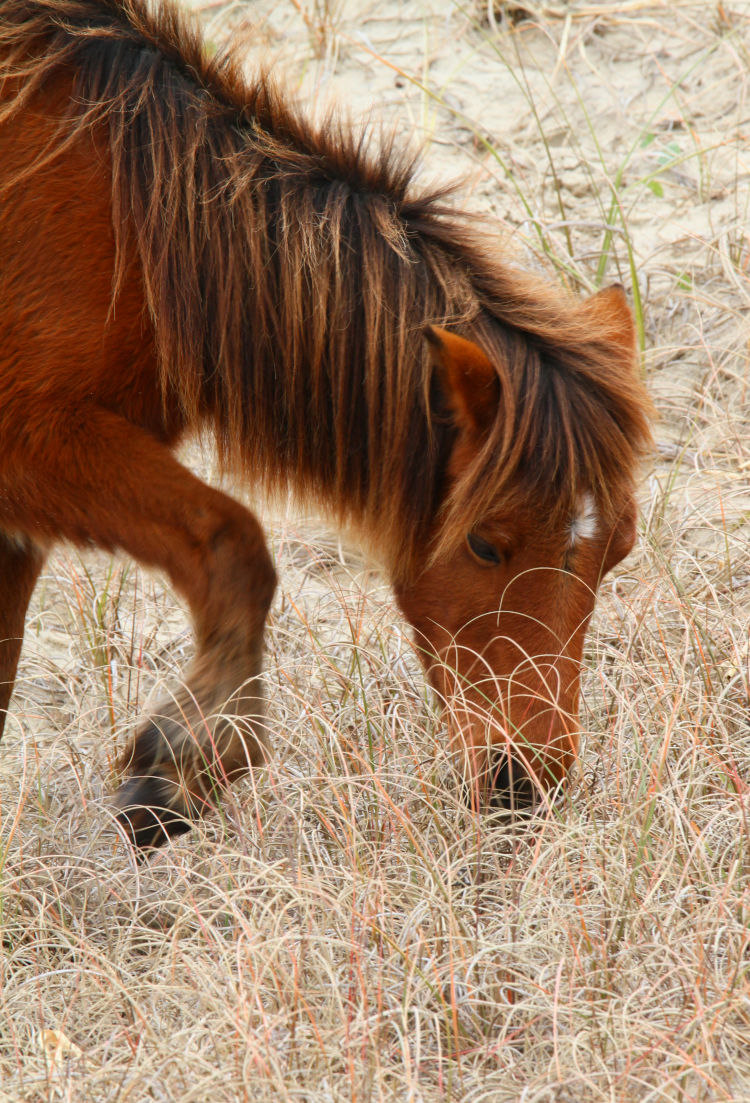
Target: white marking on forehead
(584, 525)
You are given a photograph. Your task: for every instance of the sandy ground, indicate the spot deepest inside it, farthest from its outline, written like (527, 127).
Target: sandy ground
(347, 930)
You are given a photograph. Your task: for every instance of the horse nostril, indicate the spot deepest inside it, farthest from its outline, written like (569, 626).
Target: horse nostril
(510, 788)
(505, 787)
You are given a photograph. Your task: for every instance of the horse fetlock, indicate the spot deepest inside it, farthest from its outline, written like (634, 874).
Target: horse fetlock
(183, 757)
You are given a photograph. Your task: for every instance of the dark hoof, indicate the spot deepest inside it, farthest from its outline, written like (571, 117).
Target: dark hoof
(144, 812)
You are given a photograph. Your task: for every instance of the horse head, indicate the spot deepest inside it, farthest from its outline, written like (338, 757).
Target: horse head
(500, 612)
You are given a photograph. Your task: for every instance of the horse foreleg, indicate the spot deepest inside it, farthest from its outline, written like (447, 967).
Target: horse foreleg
(20, 564)
(109, 483)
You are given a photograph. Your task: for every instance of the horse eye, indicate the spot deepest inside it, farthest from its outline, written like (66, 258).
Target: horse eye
(483, 550)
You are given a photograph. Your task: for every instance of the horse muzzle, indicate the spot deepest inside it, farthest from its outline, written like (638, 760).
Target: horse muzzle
(512, 765)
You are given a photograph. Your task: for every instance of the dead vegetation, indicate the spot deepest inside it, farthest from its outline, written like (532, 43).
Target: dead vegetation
(347, 930)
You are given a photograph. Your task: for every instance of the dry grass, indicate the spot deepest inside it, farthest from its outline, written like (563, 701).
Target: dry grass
(347, 930)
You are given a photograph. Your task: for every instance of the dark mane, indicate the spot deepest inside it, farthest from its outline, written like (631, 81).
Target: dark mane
(289, 272)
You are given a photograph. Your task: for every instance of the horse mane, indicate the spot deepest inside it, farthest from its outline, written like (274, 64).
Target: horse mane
(289, 271)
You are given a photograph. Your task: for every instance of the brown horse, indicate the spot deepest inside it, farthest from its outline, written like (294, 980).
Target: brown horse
(180, 250)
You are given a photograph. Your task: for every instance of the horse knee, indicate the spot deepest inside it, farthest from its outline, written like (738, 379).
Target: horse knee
(250, 578)
(242, 558)
(240, 581)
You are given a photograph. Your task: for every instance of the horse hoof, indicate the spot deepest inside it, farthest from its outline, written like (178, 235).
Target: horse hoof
(145, 815)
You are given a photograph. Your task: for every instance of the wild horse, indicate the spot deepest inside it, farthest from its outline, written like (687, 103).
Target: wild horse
(180, 250)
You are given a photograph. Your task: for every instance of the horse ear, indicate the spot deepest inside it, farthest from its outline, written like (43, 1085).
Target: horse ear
(470, 385)
(612, 308)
